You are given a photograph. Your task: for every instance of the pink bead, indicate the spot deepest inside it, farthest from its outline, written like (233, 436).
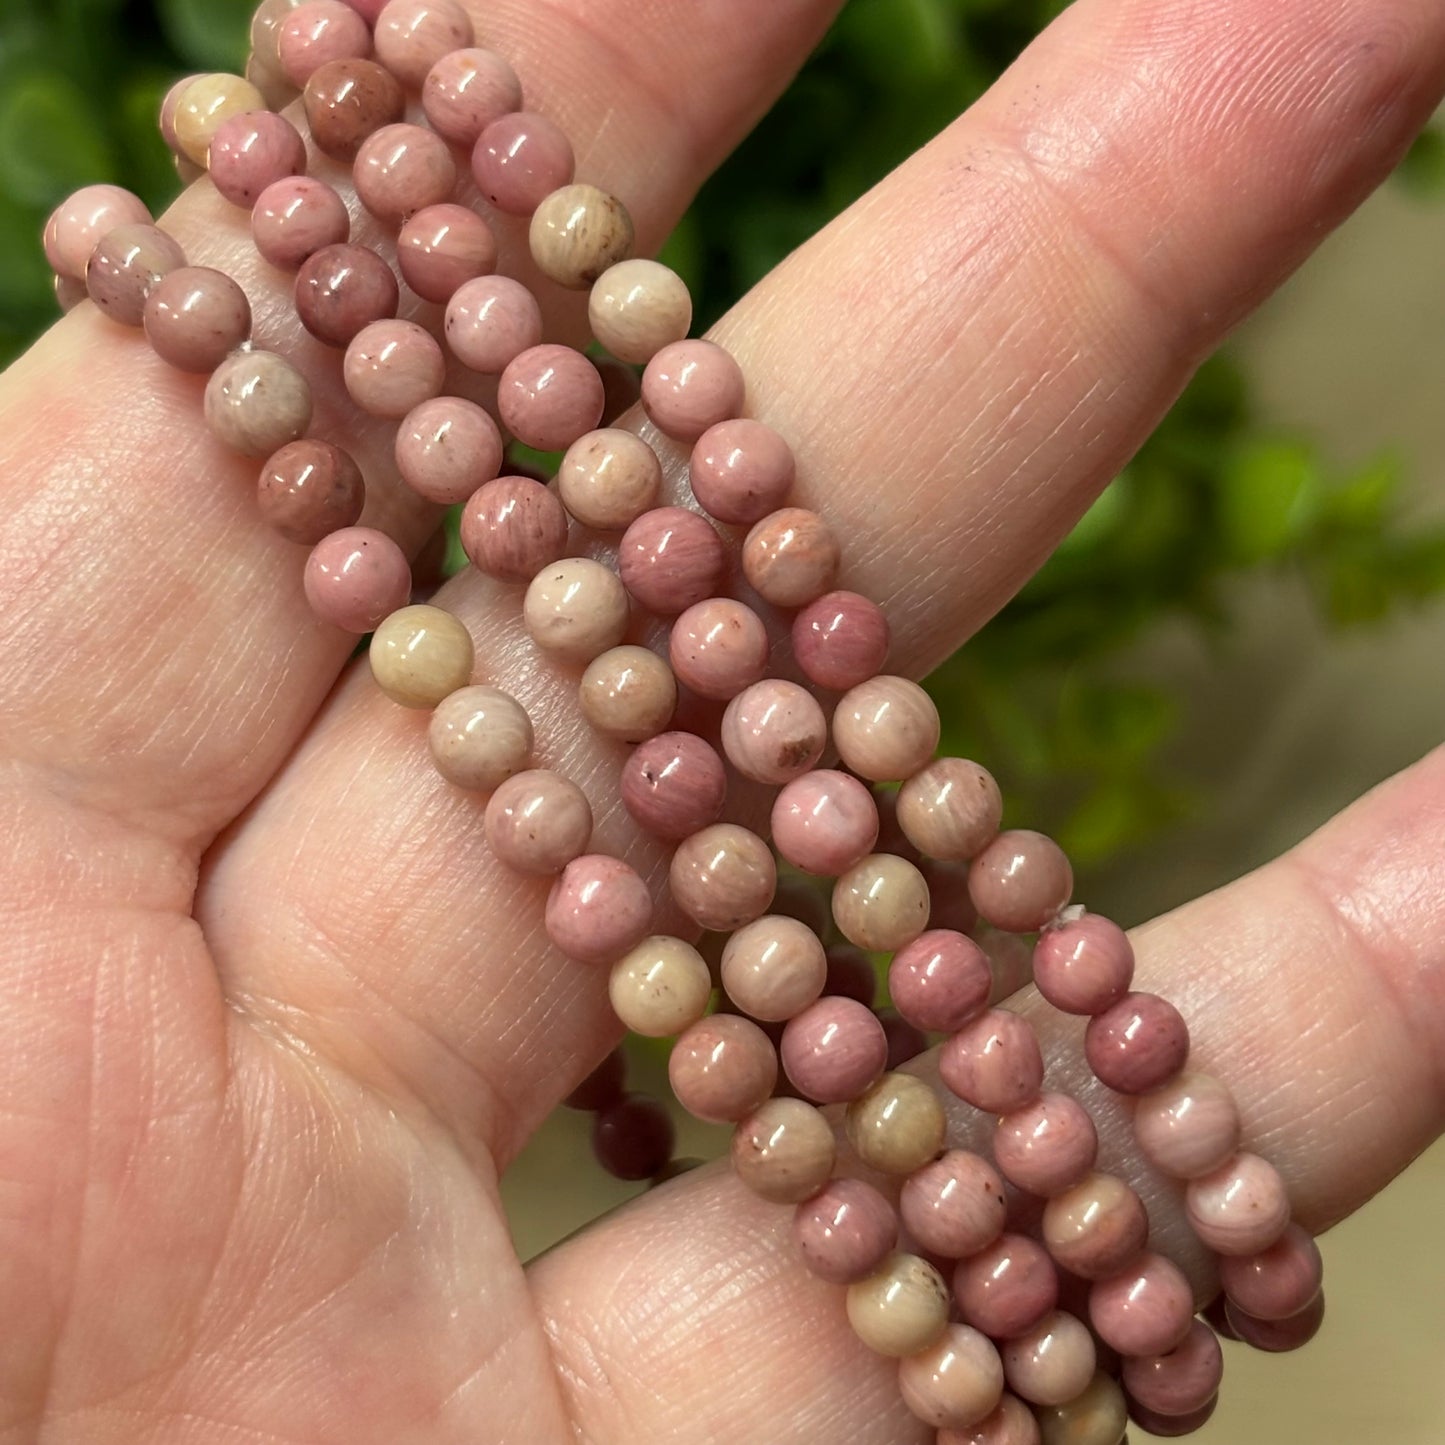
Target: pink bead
(833, 1050)
(674, 784)
(490, 322)
(994, 1062)
(1007, 1287)
(1278, 1336)
(1240, 1208)
(309, 489)
(632, 1138)
(342, 289)
(294, 218)
(670, 559)
(1046, 1146)
(195, 317)
(537, 822)
(718, 647)
(722, 1068)
(690, 386)
(740, 471)
(791, 557)
(1277, 1282)
(955, 1206)
(512, 528)
(519, 160)
(319, 31)
(940, 980)
(356, 577)
(1083, 965)
(840, 640)
(392, 366)
(446, 448)
(401, 169)
(1096, 1227)
(1188, 1127)
(1137, 1044)
(1020, 881)
(723, 877)
(845, 1232)
(124, 268)
(441, 248)
(774, 731)
(77, 224)
(1168, 1427)
(254, 150)
(1145, 1309)
(825, 822)
(1012, 1423)
(549, 396)
(1182, 1381)
(598, 908)
(466, 90)
(412, 35)
(69, 293)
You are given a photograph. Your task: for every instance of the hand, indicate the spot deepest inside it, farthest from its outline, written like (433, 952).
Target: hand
(273, 1022)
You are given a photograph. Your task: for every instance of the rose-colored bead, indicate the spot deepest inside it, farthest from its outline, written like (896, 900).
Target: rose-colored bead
(940, 980)
(637, 307)
(356, 577)
(491, 321)
(954, 1206)
(392, 366)
(442, 247)
(598, 909)
(881, 903)
(718, 647)
(316, 32)
(723, 877)
(195, 317)
(840, 640)
(784, 1151)
(202, 107)
(1189, 1126)
(950, 809)
(513, 527)
(994, 1062)
(125, 266)
(850, 970)
(538, 821)
(309, 489)
(1277, 1282)
(791, 557)
(659, 987)
(628, 693)
(1094, 1228)
(342, 289)
(833, 1049)
(1097, 1416)
(549, 396)
(671, 559)
(608, 479)
(479, 737)
(1169, 1427)
(401, 169)
(76, 226)
(1278, 1336)
(1083, 965)
(577, 232)
(899, 1309)
(519, 160)
(742, 470)
(825, 822)
(723, 1068)
(1145, 1309)
(1020, 881)
(412, 35)
(633, 1137)
(575, 609)
(1007, 1287)
(294, 218)
(674, 784)
(1051, 1363)
(954, 1383)
(1137, 1044)
(845, 1232)
(773, 968)
(774, 731)
(1241, 1207)
(447, 447)
(466, 90)
(256, 402)
(602, 1087)
(896, 1125)
(347, 101)
(690, 386)
(252, 151)
(1012, 1423)
(1046, 1146)
(69, 293)
(886, 728)
(1181, 1381)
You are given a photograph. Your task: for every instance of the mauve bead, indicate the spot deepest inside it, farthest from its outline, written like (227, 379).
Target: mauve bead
(608, 479)
(950, 809)
(295, 218)
(659, 987)
(993, 1062)
(447, 447)
(741, 470)
(412, 35)
(633, 1137)
(1020, 881)
(773, 968)
(840, 640)
(1278, 1336)
(722, 1068)
(575, 609)
(850, 971)
(1240, 1208)
(538, 821)
(1007, 1287)
(602, 1087)
(905, 1042)
(825, 822)
(628, 693)
(342, 289)
(252, 151)
(881, 903)
(392, 366)
(723, 877)
(577, 232)
(1012, 1423)
(519, 160)
(773, 731)
(637, 307)
(954, 1383)
(1145, 1309)
(401, 169)
(1094, 1228)
(513, 527)
(317, 32)
(77, 224)
(1099, 1415)
(1168, 1427)
(845, 1232)
(1188, 1127)
(549, 396)
(791, 557)
(348, 100)
(1182, 1381)
(1083, 965)
(899, 1309)
(718, 647)
(1276, 1282)
(309, 489)
(1053, 1362)
(784, 1151)
(442, 247)
(479, 737)
(1137, 1044)
(256, 402)
(833, 1049)
(356, 577)
(1046, 1146)
(690, 386)
(954, 1206)
(674, 784)
(195, 317)
(124, 268)
(204, 105)
(671, 559)
(490, 321)
(69, 292)
(940, 980)
(598, 909)
(466, 90)
(896, 1125)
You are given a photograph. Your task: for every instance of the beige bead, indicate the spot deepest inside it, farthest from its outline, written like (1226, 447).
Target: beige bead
(896, 1125)
(638, 307)
(954, 1383)
(628, 693)
(419, 655)
(950, 809)
(479, 737)
(1053, 1362)
(256, 402)
(1099, 1416)
(204, 104)
(609, 478)
(575, 609)
(886, 728)
(901, 1308)
(577, 233)
(881, 903)
(660, 988)
(784, 1151)
(774, 967)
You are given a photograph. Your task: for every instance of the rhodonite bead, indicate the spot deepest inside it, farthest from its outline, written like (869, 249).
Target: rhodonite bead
(392, 366)
(773, 968)
(1097, 1416)
(1020, 881)
(446, 448)
(317, 32)
(294, 218)
(513, 527)
(256, 402)
(899, 1309)
(442, 247)
(419, 655)
(401, 169)
(1095, 1227)
(896, 1125)
(340, 290)
(993, 1062)
(1145, 1309)
(723, 876)
(491, 321)
(519, 160)
(833, 1049)
(637, 307)
(1007, 1287)
(954, 1383)
(1278, 1336)
(628, 693)
(1083, 965)
(718, 647)
(1277, 1282)
(950, 809)
(1137, 1044)
(673, 784)
(845, 1232)
(1012, 1423)
(195, 317)
(671, 559)
(940, 980)
(690, 386)
(954, 1206)
(1240, 1208)
(575, 609)
(204, 104)
(1187, 1127)
(125, 266)
(784, 1151)
(633, 1137)
(1182, 1381)
(723, 1068)
(773, 731)
(167, 116)
(412, 35)
(538, 821)
(886, 728)
(840, 640)
(355, 577)
(252, 151)
(348, 100)
(577, 232)
(466, 90)
(599, 908)
(1051, 1363)
(479, 737)
(659, 987)
(881, 903)
(791, 557)
(1168, 1427)
(1046, 1146)
(548, 396)
(741, 471)
(608, 479)
(309, 489)
(78, 223)
(825, 822)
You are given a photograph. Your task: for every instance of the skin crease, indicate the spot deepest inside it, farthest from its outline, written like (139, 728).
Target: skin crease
(266, 1210)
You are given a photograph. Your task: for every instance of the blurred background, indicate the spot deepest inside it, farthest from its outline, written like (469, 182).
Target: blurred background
(1243, 634)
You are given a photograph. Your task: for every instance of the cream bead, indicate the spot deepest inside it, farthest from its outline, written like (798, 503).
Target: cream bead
(784, 1151)
(637, 307)
(628, 693)
(896, 1125)
(886, 729)
(575, 609)
(479, 737)
(1099, 1416)
(204, 104)
(577, 233)
(660, 988)
(881, 903)
(419, 655)
(609, 478)
(901, 1308)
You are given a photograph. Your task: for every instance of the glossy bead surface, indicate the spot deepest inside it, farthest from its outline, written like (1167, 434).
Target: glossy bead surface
(548, 396)
(256, 402)
(538, 821)
(638, 306)
(1083, 965)
(940, 980)
(195, 317)
(659, 987)
(401, 169)
(1051, 1363)
(1145, 1309)
(896, 1125)
(673, 784)
(479, 737)
(125, 266)
(348, 100)
(575, 609)
(1276, 1282)
(340, 290)
(443, 246)
(1095, 1227)
(294, 218)
(833, 1049)
(950, 809)
(412, 35)
(825, 822)
(204, 104)
(1168, 1427)
(791, 557)
(466, 90)
(608, 479)
(671, 559)
(1020, 881)
(784, 1151)
(954, 1383)
(886, 728)
(76, 225)
(1189, 1126)
(773, 968)
(1278, 1336)
(392, 366)
(577, 232)
(1012, 1423)
(881, 903)
(446, 448)
(840, 640)
(628, 693)
(1046, 1146)
(740, 472)
(356, 577)
(519, 160)
(252, 151)
(723, 876)
(954, 1206)
(1007, 1287)
(316, 32)
(690, 386)
(633, 1137)
(599, 908)
(774, 731)
(993, 1062)
(845, 1232)
(1098, 1416)
(1137, 1044)
(419, 655)
(309, 489)
(512, 528)
(1182, 1381)
(1241, 1207)
(722, 1068)
(491, 321)
(718, 647)
(899, 1309)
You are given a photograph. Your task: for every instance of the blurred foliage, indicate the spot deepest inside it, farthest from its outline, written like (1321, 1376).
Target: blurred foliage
(1212, 493)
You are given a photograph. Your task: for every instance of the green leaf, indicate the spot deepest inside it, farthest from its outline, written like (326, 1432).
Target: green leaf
(1267, 496)
(1423, 169)
(51, 140)
(208, 34)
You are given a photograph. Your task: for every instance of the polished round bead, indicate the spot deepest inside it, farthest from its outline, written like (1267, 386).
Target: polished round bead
(718, 647)
(886, 728)
(673, 784)
(1168, 1427)
(1187, 1127)
(850, 971)
(125, 267)
(1277, 1282)
(955, 1382)
(356, 577)
(479, 737)
(341, 290)
(1182, 1381)
(412, 35)
(491, 321)
(1083, 965)
(167, 116)
(1051, 1363)
(1007, 1287)
(256, 402)
(845, 1232)
(1137, 1044)
(1020, 881)
(599, 909)
(940, 980)
(419, 655)
(896, 1125)
(628, 693)
(659, 987)
(441, 247)
(636, 307)
(671, 559)
(690, 386)
(204, 104)
(825, 822)
(577, 232)
(1241, 1207)
(881, 903)
(466, 90)
(950, 809)
(1277, 1336)
(723, 1068)
(76, 226)
(633, 1137)
(791, 557)
(69, 292)
(575, 609)
(784, 1151)
(195, 317)
(295, 218)
(401, 169)
(1145, 1309)
(548, 396)
(954, 1206)
(741, 471)
(840, 640)
(1095, 1227)
(316, 32)
(446, 447)
(833, 1049)
(348, 100)
(1012, 1423)
(519, 160)
(309, 489)
(901, 1308)
(1046, 1146)
(608, 479)
(512, 528)
(252, 151)
(392, 366)
(1097, 1416)
(723, 877)
(773, 968)
(993, 1062)
(774, 731)
(538, 821)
